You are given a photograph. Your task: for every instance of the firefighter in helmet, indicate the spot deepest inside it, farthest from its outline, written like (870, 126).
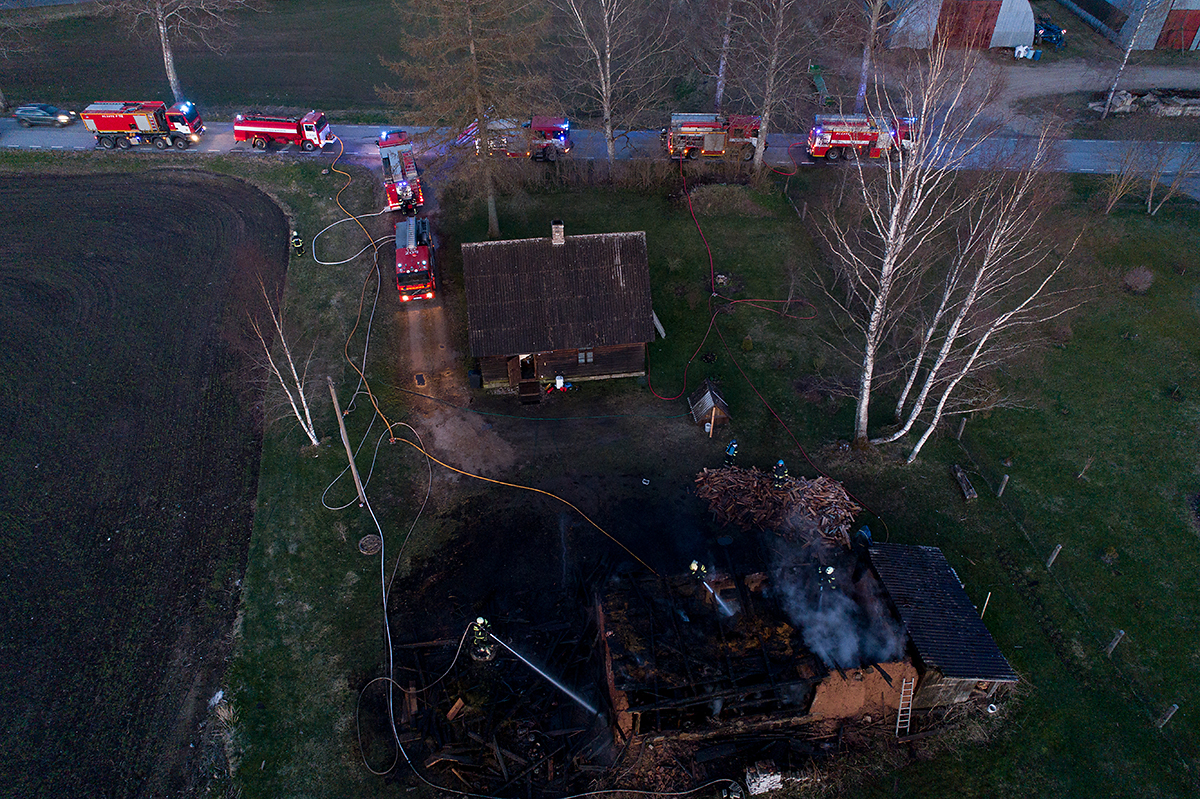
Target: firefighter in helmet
(699, 571)
(780, 473)
(826, 577)
(482, 648)
(297, 244)
(730, 453)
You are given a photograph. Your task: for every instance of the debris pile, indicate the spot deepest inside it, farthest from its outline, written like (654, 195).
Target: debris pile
(748, 499)
(1124, 102)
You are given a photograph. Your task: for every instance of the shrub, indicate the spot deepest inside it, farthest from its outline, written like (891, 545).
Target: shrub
(1138, 280)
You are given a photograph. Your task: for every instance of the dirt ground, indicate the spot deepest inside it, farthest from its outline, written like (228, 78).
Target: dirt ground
(130, 451)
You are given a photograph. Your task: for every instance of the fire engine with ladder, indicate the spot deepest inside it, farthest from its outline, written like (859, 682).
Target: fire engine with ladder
(693, 135)
(859, 135)
(414, 260)
(401, 181)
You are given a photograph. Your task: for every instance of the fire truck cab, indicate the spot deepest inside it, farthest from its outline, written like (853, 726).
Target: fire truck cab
(693, 135)
(401, 181)
(549, 137)
(414, 260)
(859, 135)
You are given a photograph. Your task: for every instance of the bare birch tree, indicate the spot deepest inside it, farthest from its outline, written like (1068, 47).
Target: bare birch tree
(1178, 160)
(998, 278)
(206, 22)
(1127, 176)
(621, 48)
(1147, 6)
(773, 42)
(466, 65)
(881, 241)
(873, 10)
(282, 367)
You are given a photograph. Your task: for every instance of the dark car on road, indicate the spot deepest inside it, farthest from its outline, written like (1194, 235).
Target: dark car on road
(1047, 32)
(43, 114)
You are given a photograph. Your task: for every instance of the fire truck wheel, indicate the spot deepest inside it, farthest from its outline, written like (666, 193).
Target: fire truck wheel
(833, 154)
(692, 153)
(107, 142)
(308, 147)
(123, 143)
(748, 154)
(160, 143)
(181, 144)
(258, 143)
(550, 154)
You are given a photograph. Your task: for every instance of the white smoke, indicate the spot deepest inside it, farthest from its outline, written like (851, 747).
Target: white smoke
(845, 624)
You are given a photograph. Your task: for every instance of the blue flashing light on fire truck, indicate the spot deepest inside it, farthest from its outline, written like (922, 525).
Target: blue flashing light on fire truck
(414, 260)
(401, 181)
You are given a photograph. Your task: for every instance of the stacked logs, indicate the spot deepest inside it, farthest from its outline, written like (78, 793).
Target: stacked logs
(748, 499)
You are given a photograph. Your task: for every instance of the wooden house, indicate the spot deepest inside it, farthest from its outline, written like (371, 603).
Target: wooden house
(571, 306)
(955, 654)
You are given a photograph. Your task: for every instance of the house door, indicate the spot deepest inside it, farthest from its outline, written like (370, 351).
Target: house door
(514, 370)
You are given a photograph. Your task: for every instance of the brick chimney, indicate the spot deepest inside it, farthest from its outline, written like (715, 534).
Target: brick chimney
(556, 232)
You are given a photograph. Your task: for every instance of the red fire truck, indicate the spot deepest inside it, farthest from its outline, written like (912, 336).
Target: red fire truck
(693, 135)
(126, 123)
(309, 132)
(414, 260)
(852, 135)
(400, 179)
(541, 138)
(549, 137)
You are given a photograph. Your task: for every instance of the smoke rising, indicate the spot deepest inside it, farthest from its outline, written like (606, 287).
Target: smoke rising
(847, 624)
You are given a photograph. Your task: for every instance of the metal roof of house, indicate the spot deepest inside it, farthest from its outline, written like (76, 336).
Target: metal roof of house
(941, 620)
(530, 295)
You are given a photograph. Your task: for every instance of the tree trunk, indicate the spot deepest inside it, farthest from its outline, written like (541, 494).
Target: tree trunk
(860, 100)
(721, 64)
(1125, 59)
(485, 164)
(769, 86)
(168, 53)
(606, 90)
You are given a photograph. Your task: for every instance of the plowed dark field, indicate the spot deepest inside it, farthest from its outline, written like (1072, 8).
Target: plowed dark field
(129, 446)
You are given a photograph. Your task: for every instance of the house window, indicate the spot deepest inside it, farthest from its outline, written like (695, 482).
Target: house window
(585, 356)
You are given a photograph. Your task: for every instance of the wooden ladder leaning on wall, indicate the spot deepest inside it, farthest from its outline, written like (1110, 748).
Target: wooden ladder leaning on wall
(904, 713)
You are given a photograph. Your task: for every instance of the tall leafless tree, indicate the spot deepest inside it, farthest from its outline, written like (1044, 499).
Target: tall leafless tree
(468, 64)
(282, 367)
(881, 239)
(772, 45)
(622, 48)
(999, 278)
(1146, 7)
(873, 11)
(206, 22)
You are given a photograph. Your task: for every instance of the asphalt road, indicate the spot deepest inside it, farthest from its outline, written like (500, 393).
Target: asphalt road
(1072, 155)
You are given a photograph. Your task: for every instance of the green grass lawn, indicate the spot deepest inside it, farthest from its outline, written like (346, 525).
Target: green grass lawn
(1105, 399)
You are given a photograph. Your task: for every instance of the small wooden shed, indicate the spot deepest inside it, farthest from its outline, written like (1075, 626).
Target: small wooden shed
(955, 654)
(707, 405)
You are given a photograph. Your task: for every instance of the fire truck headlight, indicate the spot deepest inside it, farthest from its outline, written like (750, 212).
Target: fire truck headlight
(429, 295)
(405, 298)
(194, 137)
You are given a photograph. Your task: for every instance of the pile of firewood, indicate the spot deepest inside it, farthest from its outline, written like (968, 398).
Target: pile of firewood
(749, 499)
